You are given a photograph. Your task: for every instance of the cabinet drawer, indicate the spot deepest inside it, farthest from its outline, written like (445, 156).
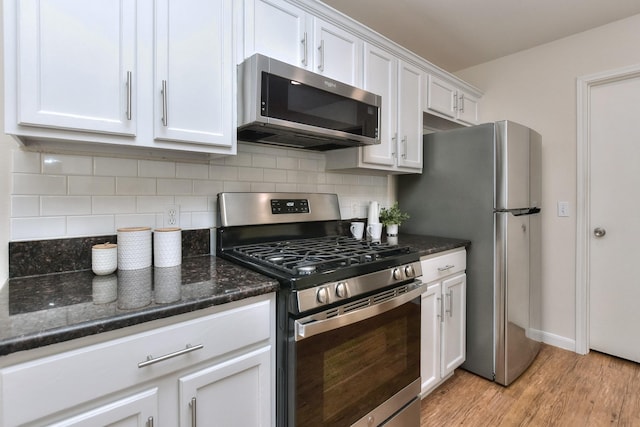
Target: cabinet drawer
(441, 265)
(64, 380)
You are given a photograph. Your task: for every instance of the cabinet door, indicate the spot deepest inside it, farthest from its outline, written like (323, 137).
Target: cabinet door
(338, 53)
(430, 307)
(467, 108)
(279, 30)
(409, 116)
(441, 97)
(139, 410)
(453, 325)
(233, 393)
(380, 77)
(193, 100)
(76, 65)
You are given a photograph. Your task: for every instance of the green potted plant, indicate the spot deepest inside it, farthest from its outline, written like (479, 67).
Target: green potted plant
(392, 217)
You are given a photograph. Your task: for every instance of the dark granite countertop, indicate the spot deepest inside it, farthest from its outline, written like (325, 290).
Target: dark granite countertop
(40, 310)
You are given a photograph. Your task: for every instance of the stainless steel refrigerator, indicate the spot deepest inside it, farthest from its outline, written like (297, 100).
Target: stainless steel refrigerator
(483, 184)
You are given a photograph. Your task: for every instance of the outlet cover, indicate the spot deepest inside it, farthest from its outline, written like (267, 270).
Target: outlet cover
(172, 216)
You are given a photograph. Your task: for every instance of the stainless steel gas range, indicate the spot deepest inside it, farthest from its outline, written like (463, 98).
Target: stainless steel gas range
(348, 312)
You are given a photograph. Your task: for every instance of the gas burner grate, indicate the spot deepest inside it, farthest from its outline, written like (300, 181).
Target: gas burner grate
(309, 256)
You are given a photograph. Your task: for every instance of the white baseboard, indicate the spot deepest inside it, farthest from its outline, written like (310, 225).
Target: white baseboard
(554, 340)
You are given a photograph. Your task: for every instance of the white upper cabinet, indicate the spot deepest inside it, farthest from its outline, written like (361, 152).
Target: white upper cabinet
(285, 32)
(192, 85)
(410, 117)
(400, 86)
(449, 100)
(76, 65)
(90, 75)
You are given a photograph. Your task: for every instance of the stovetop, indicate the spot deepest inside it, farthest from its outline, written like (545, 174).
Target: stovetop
(307, 262)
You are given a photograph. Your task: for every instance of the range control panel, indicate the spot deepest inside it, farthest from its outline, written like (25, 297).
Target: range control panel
(289, 206)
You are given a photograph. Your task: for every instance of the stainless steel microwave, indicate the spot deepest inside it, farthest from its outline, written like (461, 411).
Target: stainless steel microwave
(283, 105)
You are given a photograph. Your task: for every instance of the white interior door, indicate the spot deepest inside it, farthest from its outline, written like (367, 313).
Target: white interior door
(614, 284)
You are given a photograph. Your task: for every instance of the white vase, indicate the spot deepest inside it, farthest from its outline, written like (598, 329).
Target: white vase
(392, 230)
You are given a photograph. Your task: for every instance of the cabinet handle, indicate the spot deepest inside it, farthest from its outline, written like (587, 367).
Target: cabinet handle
(446, 267)
(151, 360)
(165, 119)
(441, 312)
(394, 140)
(150, 422)
(455, 101)
(192, 404)
(450, 295)
(129, 91)
(321, 49)
(404, 147)
(462, 103)
(304, 49)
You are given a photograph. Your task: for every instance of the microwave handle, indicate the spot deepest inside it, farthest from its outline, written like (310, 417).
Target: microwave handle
(306, 330)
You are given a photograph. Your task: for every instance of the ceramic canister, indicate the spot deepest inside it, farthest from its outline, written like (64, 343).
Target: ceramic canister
(167, 247)
(104, 258)
(134, 248)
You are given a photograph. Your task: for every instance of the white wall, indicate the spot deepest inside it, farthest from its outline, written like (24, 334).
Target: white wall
(537, 88)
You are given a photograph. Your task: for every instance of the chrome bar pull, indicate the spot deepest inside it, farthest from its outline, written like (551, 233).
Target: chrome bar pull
(462, 103)
(440, 311)
(446, 267)
(305, 56)
(150, 422)
(450, 295)
(404, 147)
(129, 93)
(321, 49)
(192, 404)
(165, 120)
(151, 360)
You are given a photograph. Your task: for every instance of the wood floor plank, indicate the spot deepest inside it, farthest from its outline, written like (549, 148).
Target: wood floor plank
(560, 388)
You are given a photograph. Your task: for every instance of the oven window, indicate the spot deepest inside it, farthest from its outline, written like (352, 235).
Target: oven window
(343, 374)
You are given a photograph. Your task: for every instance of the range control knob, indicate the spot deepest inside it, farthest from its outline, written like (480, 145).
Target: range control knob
(408, 271)
(341, 289)
(322, 295)
(397, 274)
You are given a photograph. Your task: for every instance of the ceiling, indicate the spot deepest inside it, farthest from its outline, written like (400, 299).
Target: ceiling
(456, 34)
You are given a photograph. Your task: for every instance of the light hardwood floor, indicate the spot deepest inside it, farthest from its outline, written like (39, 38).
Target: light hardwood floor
(560, 388)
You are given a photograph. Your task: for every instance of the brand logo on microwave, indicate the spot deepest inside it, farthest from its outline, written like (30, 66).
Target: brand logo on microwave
(330, 84)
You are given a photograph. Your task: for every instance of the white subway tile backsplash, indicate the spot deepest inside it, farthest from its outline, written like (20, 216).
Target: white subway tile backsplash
(39, 184)
(135, 186)
(175, 186)
(250, 174)
(223, 173)
(26, 161)
(65, 205)
(153, 203)
(113, 204)
(156, 168)
(74, 195)
(138, 220)
(192, 170)
(207, 187)
(38, 228)
(61, 164)
(90, 225)
(25, 206)
(92, 185)
(110, 166)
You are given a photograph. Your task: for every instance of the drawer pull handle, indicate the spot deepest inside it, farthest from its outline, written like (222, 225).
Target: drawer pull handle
(446, 267)
(151, 360)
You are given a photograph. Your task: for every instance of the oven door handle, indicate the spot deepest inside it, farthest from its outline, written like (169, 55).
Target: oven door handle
(306, 330)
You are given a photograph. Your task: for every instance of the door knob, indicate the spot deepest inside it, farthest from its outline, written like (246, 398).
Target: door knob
(599, 232)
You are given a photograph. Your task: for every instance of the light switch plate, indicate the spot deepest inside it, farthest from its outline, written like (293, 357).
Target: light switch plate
(563, 209)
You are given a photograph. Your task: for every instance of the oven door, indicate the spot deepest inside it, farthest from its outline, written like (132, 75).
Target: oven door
(359, 363)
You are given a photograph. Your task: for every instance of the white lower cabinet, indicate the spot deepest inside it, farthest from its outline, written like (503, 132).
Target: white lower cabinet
(443, 327)
(214, 369)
